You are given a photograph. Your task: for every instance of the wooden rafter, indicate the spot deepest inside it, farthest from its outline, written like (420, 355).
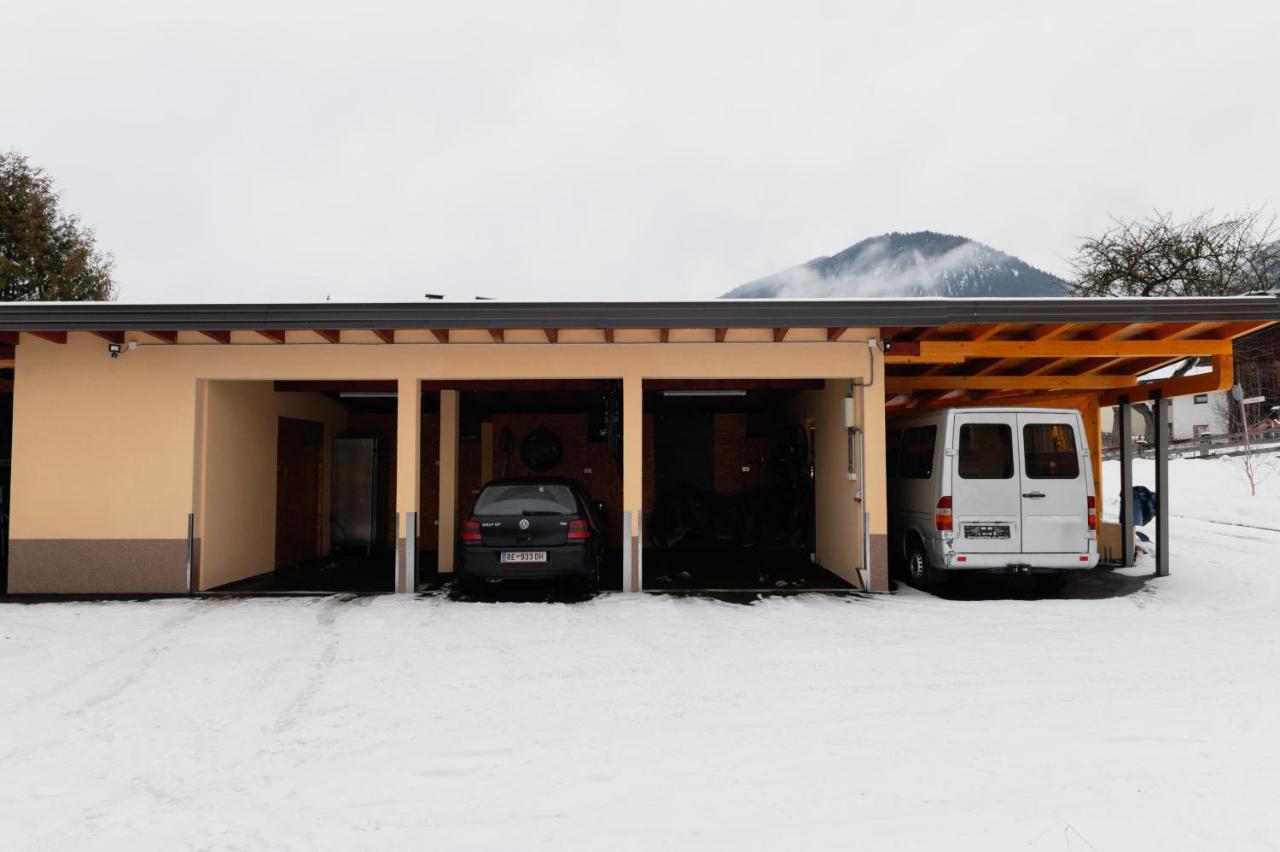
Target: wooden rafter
(276, 336)
(498, 334)
(9, 338)
(907, 384)
(553, 334)
(721, 333)
(163, 336)
(116, 337)
(987, 333)
(664, 335)
(51, 336)
(331, 335)
(780, 334)
(833, 334)
(217, 336)
(942, 350)
(608, 335)
(386, 335)
(441, 334)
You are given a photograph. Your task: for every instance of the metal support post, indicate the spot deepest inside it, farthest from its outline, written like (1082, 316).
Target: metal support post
(1162, 486)
(1124, 426)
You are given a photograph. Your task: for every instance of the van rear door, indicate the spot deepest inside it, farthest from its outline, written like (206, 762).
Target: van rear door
(985, 495)
(1055, 515)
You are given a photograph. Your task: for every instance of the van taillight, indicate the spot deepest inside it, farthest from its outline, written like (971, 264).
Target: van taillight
(942, 515)
(578, 530)
(471, 531)
(1093, 514)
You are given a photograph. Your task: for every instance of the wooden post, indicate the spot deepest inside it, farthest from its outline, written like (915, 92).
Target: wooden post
(449, 431)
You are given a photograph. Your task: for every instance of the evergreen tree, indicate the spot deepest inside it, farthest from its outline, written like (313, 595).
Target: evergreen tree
(45, 254)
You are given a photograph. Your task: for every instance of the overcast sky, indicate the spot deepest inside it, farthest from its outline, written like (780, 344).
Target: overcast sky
(257, 151)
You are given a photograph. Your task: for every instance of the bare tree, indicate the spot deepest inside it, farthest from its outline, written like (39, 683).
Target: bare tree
(1161, 256)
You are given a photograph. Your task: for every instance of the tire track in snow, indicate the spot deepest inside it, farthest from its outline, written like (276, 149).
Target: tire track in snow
(186, 615)
(319, 671)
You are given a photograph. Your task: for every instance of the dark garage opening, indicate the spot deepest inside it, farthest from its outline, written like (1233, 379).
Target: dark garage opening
(335, 488)
(557, 428)
(729, 487)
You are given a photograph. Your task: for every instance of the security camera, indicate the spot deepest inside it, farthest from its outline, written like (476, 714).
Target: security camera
(115, 349)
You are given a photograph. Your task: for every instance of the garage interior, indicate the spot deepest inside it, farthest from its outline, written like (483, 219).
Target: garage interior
(560, 428)
(729, 487)
(311, 468)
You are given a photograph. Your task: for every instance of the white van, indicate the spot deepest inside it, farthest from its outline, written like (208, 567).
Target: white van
(992, 489)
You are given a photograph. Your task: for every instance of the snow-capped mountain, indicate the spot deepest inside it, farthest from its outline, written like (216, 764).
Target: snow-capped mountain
(917, 264)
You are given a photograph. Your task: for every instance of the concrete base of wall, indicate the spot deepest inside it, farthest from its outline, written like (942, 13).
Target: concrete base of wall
(97, 566)
(879, 573)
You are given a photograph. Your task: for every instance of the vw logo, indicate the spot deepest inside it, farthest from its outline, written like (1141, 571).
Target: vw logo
(524, 523)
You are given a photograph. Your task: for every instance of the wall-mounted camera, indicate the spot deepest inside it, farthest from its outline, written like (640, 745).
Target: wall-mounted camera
(114, 349)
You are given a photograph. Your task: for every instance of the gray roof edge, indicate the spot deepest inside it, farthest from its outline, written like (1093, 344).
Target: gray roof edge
(755, 313)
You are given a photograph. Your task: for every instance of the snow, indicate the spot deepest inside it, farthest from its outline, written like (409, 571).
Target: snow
(1213, 489)
(1139, 721)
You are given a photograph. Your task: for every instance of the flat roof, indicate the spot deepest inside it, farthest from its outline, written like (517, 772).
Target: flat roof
(716, 313)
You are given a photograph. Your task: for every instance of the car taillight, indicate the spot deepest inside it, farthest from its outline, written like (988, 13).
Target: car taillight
(942, 515)
(1093, 514)
(471, 531)
(578, 530)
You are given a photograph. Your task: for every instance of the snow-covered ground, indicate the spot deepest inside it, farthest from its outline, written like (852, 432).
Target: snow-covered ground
(1136, 722)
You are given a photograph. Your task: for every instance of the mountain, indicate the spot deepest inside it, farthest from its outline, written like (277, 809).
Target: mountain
(917, 264)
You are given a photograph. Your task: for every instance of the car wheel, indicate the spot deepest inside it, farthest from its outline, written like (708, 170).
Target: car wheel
(918, 570)
(1050, 583)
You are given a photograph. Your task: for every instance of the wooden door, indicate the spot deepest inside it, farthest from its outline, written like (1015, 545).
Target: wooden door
(299, 484)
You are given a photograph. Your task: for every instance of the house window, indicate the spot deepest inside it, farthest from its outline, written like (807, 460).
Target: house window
(1202, 399)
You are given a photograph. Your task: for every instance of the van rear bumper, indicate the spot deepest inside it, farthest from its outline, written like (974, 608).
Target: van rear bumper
(1017, 562)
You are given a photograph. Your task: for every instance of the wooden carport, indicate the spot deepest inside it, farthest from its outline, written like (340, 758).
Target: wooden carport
(1068, 364)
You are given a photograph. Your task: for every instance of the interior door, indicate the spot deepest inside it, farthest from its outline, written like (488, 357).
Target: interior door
(299, 459)
(1055, 515)
(986, 502)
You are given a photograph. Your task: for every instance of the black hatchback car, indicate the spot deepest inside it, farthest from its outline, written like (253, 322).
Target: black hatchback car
(532, 528)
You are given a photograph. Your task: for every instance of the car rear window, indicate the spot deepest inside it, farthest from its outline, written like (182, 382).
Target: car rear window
(1050, 450)
(986, 451)
(526, 499)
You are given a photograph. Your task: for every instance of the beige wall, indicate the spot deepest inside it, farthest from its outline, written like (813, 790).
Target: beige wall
(106, 449)
(236, 518)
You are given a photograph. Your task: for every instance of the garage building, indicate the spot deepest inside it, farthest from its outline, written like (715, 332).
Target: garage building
(193, 448)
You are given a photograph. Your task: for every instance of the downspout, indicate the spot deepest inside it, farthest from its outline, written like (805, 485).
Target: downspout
(856, 429)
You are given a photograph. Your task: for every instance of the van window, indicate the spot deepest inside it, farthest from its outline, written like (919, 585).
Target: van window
(1050, 450)
(986, 451)
(916, 460)
(892, 447)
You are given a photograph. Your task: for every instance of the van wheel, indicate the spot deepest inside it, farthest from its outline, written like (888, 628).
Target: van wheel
(918, 570)
(1050, 584)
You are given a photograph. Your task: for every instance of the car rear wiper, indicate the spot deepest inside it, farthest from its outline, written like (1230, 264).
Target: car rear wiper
(529, 514)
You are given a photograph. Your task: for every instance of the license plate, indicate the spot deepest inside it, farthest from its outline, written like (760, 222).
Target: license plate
(986, 531)
(524, 556)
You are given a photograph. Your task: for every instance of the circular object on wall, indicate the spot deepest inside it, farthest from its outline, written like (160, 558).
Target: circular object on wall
(541, 450)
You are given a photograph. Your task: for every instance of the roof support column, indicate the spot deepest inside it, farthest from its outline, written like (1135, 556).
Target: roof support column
(1162, 486)
(1124, 428)
(448, 530)
(875, 491)
(408, 482)
(632, 483)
